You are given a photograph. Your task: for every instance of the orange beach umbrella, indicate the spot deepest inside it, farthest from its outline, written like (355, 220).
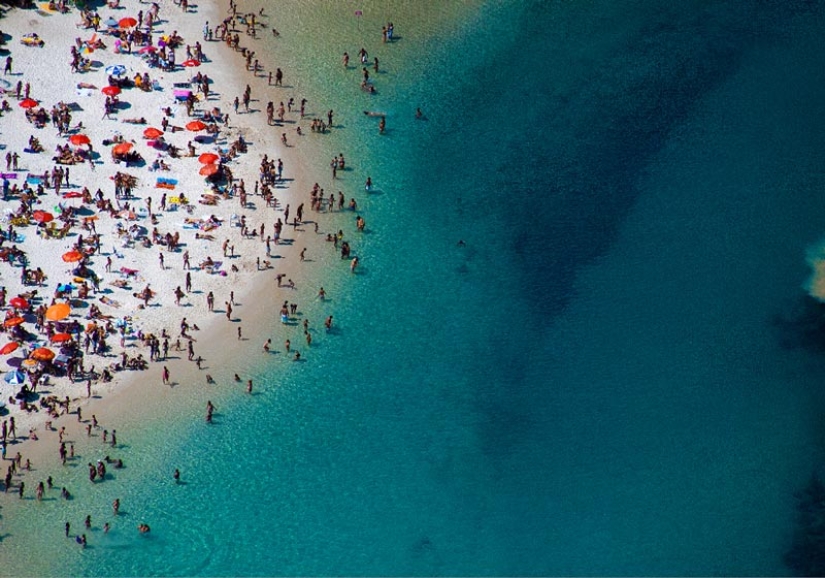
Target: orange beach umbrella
(60, 337)
(195, 125)
(79, 139)
(72, 256)
(152, 132)
(208, 158)
(127, 22)
(9, 347)
(122, 148)
(58, 312)
(13, 321)
(42, 354)
(208, 170)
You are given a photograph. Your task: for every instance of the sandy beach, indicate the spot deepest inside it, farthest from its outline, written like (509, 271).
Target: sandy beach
(130, 286)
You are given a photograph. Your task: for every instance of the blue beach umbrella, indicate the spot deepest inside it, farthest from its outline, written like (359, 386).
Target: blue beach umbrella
(115, 69)
(15, 378)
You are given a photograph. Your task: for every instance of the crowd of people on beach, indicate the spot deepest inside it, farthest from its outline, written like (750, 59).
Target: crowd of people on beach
(74, 323)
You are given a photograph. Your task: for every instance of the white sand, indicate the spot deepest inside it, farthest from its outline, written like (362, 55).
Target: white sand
(47, 70)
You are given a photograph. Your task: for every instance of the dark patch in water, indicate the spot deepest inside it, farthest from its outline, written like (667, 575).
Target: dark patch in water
(807, 554)
(804, 328)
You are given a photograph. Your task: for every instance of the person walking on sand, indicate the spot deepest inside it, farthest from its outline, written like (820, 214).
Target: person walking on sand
(165, 375)
(7, 69)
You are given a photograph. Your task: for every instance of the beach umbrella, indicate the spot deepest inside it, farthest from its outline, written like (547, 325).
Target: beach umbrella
(28, 103)
(152, 132)
(195, 125)
(28, 362)
(127, 22)
(58, 312)
(72, 256)
(122, 148)
(42, 354)
(208, 158)
(208, 170)
(111, 22)
(13, 321)
(73, 195)
(191, 62)
(79, 139)
(18, 302)
(42, 217)
(110, 90)
(9, 347)
(60, 337)
(115, 70)
(15, 377)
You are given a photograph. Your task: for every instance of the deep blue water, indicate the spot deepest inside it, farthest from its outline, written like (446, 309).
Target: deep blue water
(593, 384)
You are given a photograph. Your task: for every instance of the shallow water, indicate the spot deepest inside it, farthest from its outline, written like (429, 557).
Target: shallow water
(593, 384)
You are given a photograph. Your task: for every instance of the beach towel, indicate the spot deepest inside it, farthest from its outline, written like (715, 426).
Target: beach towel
(215, 268)
(33, 180)
(11, 176)
(165, 183)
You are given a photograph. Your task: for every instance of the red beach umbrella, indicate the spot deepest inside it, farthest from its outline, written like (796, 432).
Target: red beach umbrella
(9, 347)
(127, 22)
(195, 125)
(72, 256)
(191, 62)
(208, 158)
(18, 302)
(152, 132)
(60, 337)
(122, 148)
(110, 90)
(208, 170)
(79, 139)
(28, 103)
(42, 217)
(13, 321)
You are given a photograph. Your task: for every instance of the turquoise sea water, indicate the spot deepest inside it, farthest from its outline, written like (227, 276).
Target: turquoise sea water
(594, 384)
